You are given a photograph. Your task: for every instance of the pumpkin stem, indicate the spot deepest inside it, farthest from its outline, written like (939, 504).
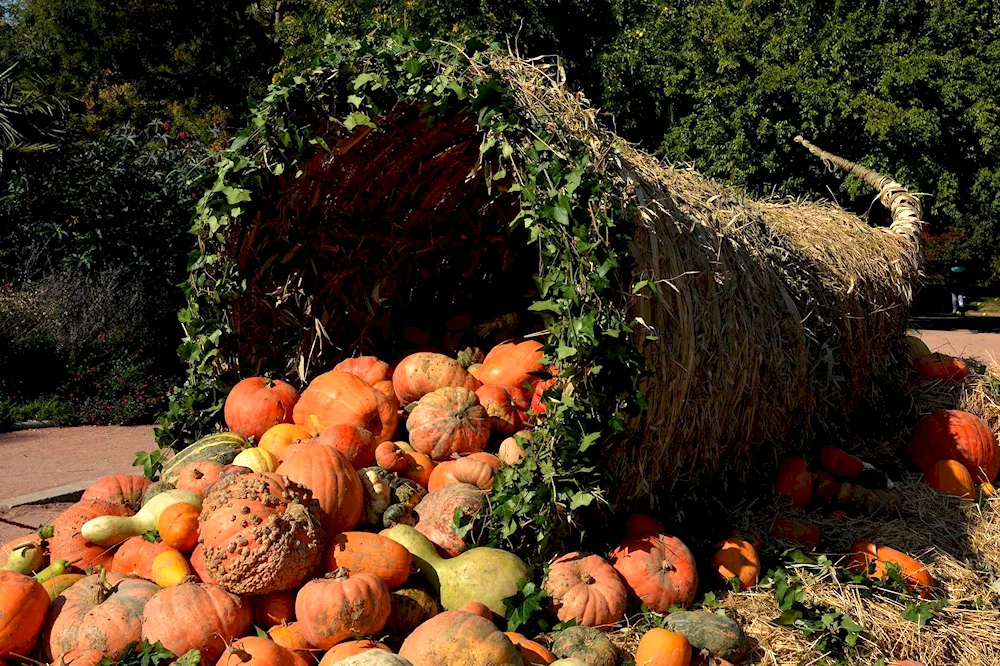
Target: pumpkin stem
(586, 578)
(341, 573)
(46, 531)
(101, 590)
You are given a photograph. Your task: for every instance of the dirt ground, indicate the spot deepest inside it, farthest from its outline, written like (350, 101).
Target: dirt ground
(978, 337)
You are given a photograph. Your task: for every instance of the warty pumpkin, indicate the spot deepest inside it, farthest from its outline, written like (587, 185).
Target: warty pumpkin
(795, 482)
(101, 612)
(257, 403)
(736, 558)
(341, 398)
(198, 564)
(512, 363)
(135, 557)
(364, 552)
(23, 601)
(448, 421)
(940, 367)
(334, 484)
(339, 606)
(195, 616)
(279, 437)
(342, 651)
(261, 533)
(464, 470)
(872, 560)
(585, 589)
(532, 653)
(357, 444)
(436, 514)
(425, 372)
(657, 569)
(951, 478)
(661, 647)
(455, 637)
(256, 651)
(178, 526)
(951, 434)
(124, 489)
(273, 608)
(68, 544)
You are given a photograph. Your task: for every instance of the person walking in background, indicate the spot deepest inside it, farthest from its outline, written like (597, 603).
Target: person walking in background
(957, 288)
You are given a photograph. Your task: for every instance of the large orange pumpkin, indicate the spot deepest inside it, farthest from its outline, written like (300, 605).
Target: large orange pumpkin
(200, 475)
(364, 552)
(125, 489)
(940, 366)
(951, 477)
(256, 403)
(507, 407)
(178, 526)
(68, 544)
(357, 444)
(261, 532)
(101, 612)
(135, 557)
(196, 616)
(736, 558)
(23, 601)
(586, 590)
(511, 364)
(795, 482)
(456, 637)
(951, 434)
(532, 652)
(273, 608)
(339, 606)
(660, 647)
(334, 484)
(448, 421)
(347, 649)
(280, 437)
(658, 569)
(198, 564)
(873, 560)
(256, 651)
(425, 372)
(341, 398)
(367, 368)
(464, 470)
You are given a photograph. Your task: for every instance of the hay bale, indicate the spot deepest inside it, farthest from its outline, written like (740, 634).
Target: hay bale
(391, 230)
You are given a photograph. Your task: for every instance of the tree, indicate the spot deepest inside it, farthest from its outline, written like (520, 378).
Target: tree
(24, 111)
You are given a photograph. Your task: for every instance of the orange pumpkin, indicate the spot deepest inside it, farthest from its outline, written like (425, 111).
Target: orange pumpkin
(586, 590)
(124, 489)
(289, 636)
(178, 526)
(334, 484)
(951, 434)
(840, 462)
(390, 457)
(339, 606)
(538, 395)
(506, 407)
(135, 557)
(640, 523)
(455, 637)
(279, 437)
(198, 564)
(357, 444)
(254, 651)
(273, 608)
(660, 647)
(80, 658)
(364, 552)
(101, 612)
(951, 478)
(200, 475)
(940, 367)
(464, 470)
(511, 364)
(425, 372)
(736, 558)
(510, 451)
(436, 515)
(340, 398)
(448, 421)
(795, 482)
(419, 468)
(256, 403)
(68, 544)
(347, 649)
(477, 608)
(23, 602)
(796, 531)
(367, 368)
(532, 653)
(872, 560)
(658, 569)
(177, 618)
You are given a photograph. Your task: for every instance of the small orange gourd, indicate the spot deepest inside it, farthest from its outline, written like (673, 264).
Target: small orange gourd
(736, 558)
(178, 526)
(660, 647)
(951, 478)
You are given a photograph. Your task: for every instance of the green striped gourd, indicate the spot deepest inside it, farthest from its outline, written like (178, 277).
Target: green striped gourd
(222, 447)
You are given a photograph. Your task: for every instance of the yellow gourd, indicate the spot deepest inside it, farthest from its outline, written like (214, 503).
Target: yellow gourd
(257, 459)
(170, 568)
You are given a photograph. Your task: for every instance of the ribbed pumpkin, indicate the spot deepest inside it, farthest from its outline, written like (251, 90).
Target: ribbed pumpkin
(940, 367)
(347, 649)
(364, 552)
(135, 557)
(872, 559)
(273, 608)
(221, 447)
(357, 444)
(257, 403)
(340, 606)
(660, 647)
(256, 651)
(101, 612)
(951, 478)
(589, 645)
(511, 364)
(195, 616)
(506, 407)
(657, 569)
(477, 608)
(279, 437)
(448, 421)
(340, 398)
(585, 589)
(409, 608)
(531, 651)
(261, 533)
(200, 475)
(178, 526)
(334, 484)
(720, 635)
(367, 368)
(390, 457)
(795, 482)
(736, 558)
(951, 434)
(68, 544)
(125, 489)
(23, 601)
(436, 514)
(425, 372)
(456, 637)
(464, 470)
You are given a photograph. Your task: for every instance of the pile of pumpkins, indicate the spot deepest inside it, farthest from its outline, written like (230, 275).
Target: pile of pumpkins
(332, 540)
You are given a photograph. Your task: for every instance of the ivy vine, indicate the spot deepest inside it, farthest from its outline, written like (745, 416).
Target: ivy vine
(576, 217)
